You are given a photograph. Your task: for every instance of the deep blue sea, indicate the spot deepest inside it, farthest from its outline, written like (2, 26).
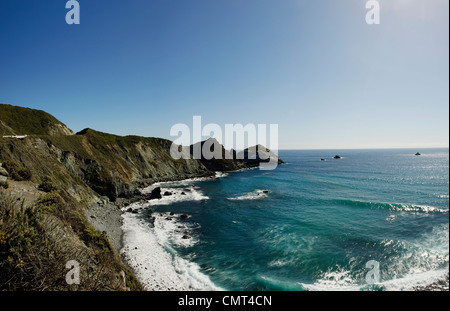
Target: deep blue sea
(308, 225)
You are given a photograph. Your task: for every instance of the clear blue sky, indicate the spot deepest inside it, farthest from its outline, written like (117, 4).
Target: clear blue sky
(313, 67)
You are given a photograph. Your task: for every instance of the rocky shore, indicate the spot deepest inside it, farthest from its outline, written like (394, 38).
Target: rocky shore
(441, 285)
(106, 217)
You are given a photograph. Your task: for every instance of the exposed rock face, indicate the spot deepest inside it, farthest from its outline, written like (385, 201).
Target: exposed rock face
(3, 171)
(94, 169)
(116, 166)
(58, 129)
(257, 154)
(215, 157)
(108, 165)
(155, 194)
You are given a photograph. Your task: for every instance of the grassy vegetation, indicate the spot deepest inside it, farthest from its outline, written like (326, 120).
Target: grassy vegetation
(4, 184)
(37, 241)
(71, 143)
(49, 202)
(106, 157)
(30, 159)
(104, 144)
(16, 171)
(25, 120)
(57, 231)
(20, 233)
(47, 185)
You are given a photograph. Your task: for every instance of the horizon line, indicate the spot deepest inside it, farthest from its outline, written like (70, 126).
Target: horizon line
(367, 148)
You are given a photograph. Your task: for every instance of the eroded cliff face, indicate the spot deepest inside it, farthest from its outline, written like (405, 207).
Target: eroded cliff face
(79, 171)
(115, 166)
(91, 164)
(51, 184)
(41, 160)
(116, 171)
(63, 180)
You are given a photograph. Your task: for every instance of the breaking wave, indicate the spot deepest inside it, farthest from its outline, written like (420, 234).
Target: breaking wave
(420, 263)
(149, 239)
(397, 207)
(254, 195)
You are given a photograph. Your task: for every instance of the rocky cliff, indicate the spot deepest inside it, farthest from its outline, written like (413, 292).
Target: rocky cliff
(60, 175)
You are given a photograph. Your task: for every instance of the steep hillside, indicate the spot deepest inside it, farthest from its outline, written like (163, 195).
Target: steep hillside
(43, 225)
(25, 121)
(114, 166)
(57, 182)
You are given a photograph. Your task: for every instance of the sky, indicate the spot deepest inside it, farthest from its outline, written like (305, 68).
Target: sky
(315, 68)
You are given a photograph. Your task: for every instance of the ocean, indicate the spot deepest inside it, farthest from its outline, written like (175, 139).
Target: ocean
(311, 224)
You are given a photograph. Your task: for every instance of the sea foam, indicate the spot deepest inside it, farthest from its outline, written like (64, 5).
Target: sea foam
(424, 262)
(254, 195)
(148, 249)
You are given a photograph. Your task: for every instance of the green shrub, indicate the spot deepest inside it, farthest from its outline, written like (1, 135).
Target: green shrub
(34, 248)
(47, 185)
(4, 184)
(19, 232)
(100, 239)
(24, 174)
(50, 202)
(17, 172)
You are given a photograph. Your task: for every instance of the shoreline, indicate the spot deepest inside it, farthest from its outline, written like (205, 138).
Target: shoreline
(111, 218)
(107, 217)
(144, 229)
(439, 285)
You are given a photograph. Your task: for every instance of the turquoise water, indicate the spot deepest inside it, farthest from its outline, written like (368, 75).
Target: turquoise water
(322, 221)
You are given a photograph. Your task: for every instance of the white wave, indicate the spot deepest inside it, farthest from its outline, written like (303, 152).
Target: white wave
(148, 249)
(184, 182)
(179, 194)
(279, 263)
(340, 280)
(254, 195)
(344, 281)
(171, 230)
(417, 208)
(156, 266)
(401, 207)
(424, 262)
(411, 281)
(221, 174)
(442, 196)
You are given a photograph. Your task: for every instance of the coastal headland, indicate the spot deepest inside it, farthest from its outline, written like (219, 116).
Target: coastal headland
(77, 184)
